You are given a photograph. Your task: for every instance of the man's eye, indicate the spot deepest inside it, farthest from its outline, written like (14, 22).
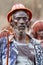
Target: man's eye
(25, 18)
(17, 18)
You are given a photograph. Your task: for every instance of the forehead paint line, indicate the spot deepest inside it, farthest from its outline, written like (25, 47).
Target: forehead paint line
(20, 14)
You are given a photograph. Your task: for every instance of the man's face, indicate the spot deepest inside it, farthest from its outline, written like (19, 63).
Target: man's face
(40, 34)
(20, 20)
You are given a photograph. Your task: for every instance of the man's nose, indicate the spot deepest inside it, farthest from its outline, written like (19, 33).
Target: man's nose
(21, 21)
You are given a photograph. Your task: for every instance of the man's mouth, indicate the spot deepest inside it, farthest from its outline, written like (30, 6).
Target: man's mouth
(21, 27)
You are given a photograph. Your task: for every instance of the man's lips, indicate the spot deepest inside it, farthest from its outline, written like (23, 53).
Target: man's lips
(21, 27)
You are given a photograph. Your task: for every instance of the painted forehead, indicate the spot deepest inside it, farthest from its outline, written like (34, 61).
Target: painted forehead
(20, 14)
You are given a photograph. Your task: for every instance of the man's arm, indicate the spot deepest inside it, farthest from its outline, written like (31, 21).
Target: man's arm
(0, 51)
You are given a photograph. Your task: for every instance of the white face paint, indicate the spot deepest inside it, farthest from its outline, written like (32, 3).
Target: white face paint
(20, 20)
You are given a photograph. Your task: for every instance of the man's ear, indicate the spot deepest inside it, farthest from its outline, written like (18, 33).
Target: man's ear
(29, 24)
(12, 24)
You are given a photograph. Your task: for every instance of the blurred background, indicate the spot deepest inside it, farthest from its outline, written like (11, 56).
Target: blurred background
(36, 7)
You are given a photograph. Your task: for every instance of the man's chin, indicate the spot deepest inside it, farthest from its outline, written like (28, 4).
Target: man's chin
(21, 31)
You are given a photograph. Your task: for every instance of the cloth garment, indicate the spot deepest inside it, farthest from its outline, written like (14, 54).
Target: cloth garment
(19, 53)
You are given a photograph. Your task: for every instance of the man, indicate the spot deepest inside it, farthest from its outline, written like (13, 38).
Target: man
(17, 48)
(37, 32)
(37, 29)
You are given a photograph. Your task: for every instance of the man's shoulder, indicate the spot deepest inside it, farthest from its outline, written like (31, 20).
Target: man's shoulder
(35, 41)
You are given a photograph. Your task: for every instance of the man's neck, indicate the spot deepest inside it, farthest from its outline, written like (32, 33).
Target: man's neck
(23, 38)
